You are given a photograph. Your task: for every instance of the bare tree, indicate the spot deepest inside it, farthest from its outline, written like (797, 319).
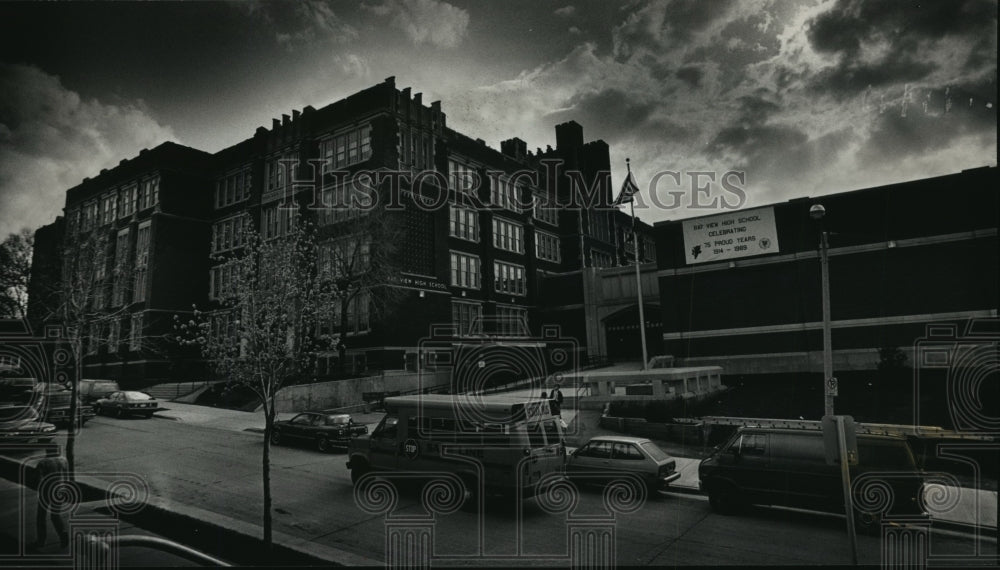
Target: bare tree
(15, 272)
(265, 335)
(361, 261)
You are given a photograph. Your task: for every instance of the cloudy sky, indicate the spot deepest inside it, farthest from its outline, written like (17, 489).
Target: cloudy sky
(807, 97)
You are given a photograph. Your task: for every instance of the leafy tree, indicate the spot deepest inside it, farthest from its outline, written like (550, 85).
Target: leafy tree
(265, 333)
(15, 272)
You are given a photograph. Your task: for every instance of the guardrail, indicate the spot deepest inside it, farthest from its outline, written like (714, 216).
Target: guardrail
(103, 550)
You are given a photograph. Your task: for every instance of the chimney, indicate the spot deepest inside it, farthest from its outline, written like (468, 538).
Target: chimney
(514, 148)
(391, 80)
(418, 99)
(406, 93)
(275, 123)
(284, 119)
(295, 115)
(569, 136)
(481, 141)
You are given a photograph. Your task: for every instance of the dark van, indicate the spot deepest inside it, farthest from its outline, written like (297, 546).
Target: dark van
(788, 467)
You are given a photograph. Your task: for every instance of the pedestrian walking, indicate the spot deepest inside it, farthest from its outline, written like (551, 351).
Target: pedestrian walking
(52, 471)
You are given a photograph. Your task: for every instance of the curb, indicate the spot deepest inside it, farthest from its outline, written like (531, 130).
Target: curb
(185, 516)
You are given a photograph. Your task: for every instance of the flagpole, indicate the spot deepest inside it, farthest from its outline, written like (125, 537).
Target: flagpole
(638, 278)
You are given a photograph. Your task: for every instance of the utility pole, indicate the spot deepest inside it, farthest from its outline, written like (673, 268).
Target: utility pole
(830, 390)
(638, 277)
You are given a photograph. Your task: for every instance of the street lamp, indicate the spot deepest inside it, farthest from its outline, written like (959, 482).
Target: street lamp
(817, 212)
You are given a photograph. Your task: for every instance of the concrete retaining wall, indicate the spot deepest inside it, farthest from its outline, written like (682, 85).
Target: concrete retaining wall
(341, 393)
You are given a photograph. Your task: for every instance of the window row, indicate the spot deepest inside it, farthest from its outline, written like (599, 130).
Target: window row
(547, 215)
(233, 188)
(229, 233)
(508, 235)
(462, 177)
(346, 148)
(343, 202)
(276, 220)
(509, 278)
(506, 194)
(113, 205)
(345, 257)
(547, 247)
(464, 223)
(416, 149)
(512, 321)
(222, 281)
(467, 317)
(465, 271)
(279, 171)
(108, 333)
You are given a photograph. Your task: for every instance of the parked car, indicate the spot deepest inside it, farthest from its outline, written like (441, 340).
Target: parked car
(16, 391)
(92, 390)
(788, 467)
(22, 424)
(606, 457)
(53, 403)
(127, 403)
(324, 429)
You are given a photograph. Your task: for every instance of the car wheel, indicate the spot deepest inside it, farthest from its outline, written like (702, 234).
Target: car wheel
(149, 415)
(323, 445)
(275, 437)
(723, 499)
(358, 472)
(868, 523)
(120, 413)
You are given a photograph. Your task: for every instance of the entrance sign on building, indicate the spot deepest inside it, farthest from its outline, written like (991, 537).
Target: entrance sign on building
(730, 236)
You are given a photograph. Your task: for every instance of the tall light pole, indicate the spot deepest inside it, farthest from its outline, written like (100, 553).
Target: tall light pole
(817, 212)
(638, 276)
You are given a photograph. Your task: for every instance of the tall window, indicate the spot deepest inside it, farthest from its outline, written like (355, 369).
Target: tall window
(127, 199)
(276, 220)
(100, 273)
(110, 208)
(464, 223)
(358, 317)
(543, 214)
(222, 282)
(141, 262)
(149, 193)
(508, 235)
(465, 316)
(342, 202)
(505, 194)
(465, 270)
(232, 188)
(416, 148)
(547, 247)
(349, 255)
(346, 148)
(512, 321)
(509, 278)
(121, 273)
(135, 334)
(279, 171)
(599, 226)
(114, 333)
(461, 177)
(229, 233)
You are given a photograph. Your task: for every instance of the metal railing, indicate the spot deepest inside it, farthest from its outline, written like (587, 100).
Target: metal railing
(100, 556)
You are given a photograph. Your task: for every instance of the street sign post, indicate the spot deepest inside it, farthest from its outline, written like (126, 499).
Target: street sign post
(841, 445)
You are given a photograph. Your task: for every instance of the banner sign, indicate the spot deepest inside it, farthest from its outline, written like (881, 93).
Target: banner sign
(730, 236)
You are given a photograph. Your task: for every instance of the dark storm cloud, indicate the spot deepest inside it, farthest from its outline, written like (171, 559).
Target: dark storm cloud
(666, 24)
(50, 138)
(612, 114)
(882, 42)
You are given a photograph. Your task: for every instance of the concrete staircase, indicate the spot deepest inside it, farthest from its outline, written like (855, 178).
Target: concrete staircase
(173, 390)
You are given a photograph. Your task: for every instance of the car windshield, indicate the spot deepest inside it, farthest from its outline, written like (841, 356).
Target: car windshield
(14, 413)
(655, 452)
(137, 396)
(337, 420)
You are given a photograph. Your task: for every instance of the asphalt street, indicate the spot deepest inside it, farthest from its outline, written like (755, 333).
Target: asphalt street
(218, 471)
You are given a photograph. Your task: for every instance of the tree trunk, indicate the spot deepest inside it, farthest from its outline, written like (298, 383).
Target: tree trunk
(75, 391)
(341, 344)
(266, 466)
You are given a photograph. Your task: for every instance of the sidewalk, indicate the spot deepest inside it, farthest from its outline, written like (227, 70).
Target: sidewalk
(17, 528)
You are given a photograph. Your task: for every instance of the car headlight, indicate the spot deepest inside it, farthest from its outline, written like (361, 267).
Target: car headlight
(48, 428)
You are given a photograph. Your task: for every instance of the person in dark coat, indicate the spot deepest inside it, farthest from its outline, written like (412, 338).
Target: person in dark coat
(557, 399)
(52, 471)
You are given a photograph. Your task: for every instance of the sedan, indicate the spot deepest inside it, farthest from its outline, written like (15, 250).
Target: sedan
(127, 403)
(326, 430)
(22, 424)
(605, 458)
